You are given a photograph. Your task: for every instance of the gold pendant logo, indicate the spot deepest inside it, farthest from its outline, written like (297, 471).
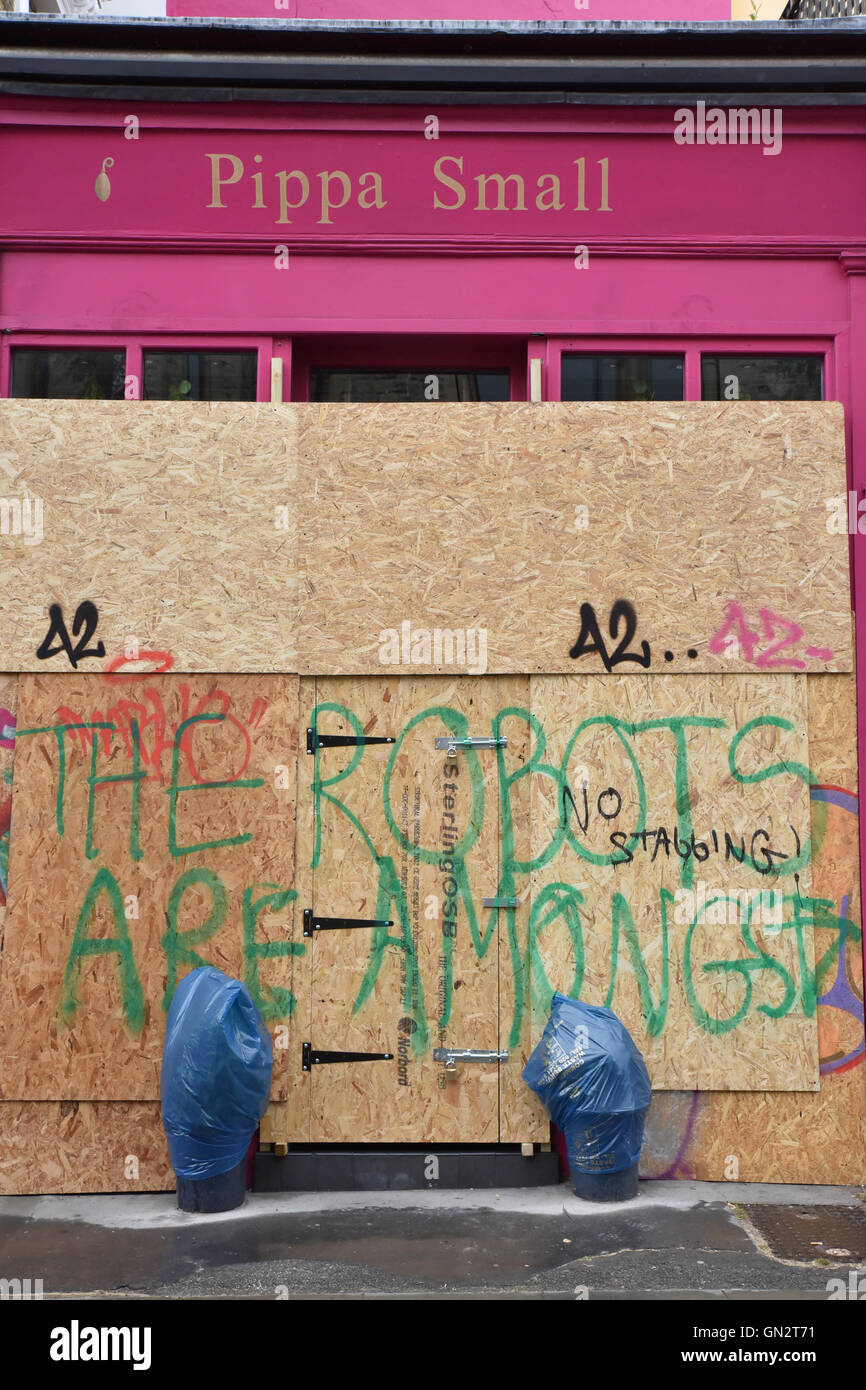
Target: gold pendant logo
(102, 186)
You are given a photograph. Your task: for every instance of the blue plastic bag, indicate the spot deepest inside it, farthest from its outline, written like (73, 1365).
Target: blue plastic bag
(593, 1083)
(216, 1074)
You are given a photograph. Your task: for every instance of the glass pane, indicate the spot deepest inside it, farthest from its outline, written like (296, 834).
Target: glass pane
(87, 374)
(199, 376)
(621, 377)
(780, 378)
(427, 384)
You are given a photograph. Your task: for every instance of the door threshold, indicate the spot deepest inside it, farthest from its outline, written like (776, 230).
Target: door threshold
(402, 1168)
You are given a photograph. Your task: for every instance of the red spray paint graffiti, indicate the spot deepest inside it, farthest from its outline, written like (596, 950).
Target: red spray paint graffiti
(156, 732)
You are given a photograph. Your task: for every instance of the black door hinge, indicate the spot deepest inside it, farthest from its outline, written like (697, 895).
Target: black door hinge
(315, 740)
(313, 922)
(311, 1057)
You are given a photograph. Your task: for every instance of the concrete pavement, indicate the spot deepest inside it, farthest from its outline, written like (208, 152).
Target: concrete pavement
(679, 1240)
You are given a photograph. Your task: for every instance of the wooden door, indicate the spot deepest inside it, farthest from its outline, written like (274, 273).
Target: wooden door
(407, 834)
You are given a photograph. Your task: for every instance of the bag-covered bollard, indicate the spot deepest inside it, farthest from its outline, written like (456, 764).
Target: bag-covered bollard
(594, 1084)
(216, 1080)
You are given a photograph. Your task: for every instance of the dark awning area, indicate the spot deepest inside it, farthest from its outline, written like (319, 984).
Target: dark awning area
(815, 63)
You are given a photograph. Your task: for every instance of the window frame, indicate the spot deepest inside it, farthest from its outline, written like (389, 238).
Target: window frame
(620, 351)
(51, 345)
(510, 352)
(409, 352)
(692, 348)
(727, 351)
(135, 345)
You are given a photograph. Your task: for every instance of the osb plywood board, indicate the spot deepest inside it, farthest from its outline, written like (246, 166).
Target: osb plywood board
(671, 844)
(290, 1118)
(8, 706)
(572, 538)
(284, 1120)
(82, 1146)
(753, 1137)
(431, 978)
(156, 841)
(466, 538)
(406, 834)
(774, 1137)
(174, 520)
(521, 1116)
(833, 731)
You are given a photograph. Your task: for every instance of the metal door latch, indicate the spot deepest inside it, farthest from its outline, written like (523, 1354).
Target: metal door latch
(451, 1055)
(454, 745)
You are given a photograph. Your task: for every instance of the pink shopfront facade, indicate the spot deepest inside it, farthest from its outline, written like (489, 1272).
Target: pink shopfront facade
(302, 250)
(472, 238)
(469, 235)
(207, 210)
(439, 243)
(478, 225)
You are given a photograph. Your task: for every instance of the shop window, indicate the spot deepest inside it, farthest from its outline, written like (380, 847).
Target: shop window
(199, 376)
(426, 384)
(621, 377)
(738, 377)
(88, 374)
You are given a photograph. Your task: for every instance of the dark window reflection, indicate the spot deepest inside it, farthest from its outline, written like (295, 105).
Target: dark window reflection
(778, 378)
(199, 376)
(428, 384)
(87, 374)
(621, 377)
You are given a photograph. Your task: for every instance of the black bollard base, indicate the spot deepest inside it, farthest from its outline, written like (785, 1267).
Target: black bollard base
(225, 1192)
(605, 1187)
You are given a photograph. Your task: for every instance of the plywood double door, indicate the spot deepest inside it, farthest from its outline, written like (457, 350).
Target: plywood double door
(398, 845)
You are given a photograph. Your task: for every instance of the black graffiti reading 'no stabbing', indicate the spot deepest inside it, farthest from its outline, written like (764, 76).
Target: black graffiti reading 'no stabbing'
(609, 804)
